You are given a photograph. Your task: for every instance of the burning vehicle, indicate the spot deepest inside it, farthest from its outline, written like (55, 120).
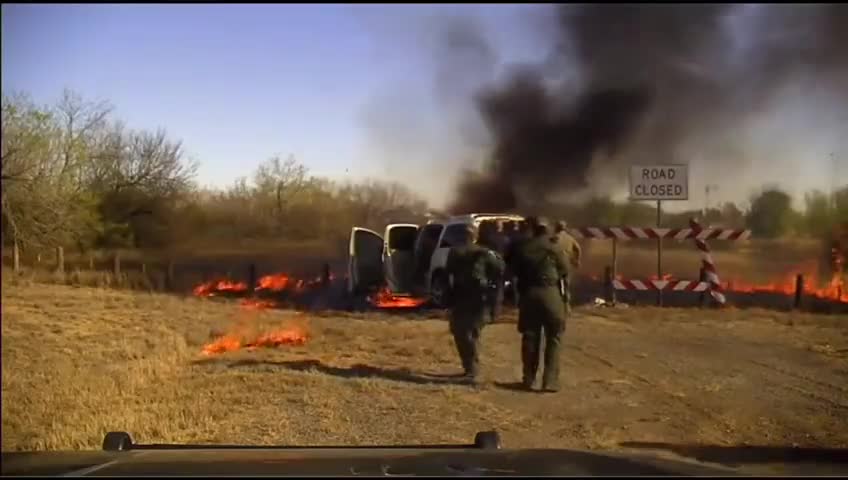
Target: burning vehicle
(407, 262)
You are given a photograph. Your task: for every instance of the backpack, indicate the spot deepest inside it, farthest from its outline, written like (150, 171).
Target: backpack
(473, 275)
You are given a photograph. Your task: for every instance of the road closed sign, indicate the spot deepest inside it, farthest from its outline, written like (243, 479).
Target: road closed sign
(659, 182)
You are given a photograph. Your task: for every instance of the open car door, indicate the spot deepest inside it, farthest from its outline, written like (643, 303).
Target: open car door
(365, 262)
(399, 257)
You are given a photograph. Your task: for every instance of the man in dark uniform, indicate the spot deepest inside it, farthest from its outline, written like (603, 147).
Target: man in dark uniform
(539, 265)
(510, 234)
(493, 238)
(471, 268)
(520, 233)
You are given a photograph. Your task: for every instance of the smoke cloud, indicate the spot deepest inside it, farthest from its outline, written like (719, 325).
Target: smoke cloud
(644, 83)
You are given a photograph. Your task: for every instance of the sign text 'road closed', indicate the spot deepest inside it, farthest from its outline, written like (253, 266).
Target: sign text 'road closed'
(659, 182)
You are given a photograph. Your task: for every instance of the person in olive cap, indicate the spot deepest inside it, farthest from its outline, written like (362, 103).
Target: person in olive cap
(572, 250)
(471, 268)
(539, 265)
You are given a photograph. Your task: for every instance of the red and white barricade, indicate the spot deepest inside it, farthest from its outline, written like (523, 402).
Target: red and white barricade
(695, 232)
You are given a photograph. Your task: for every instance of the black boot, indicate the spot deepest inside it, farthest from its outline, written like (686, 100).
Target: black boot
(529, 359)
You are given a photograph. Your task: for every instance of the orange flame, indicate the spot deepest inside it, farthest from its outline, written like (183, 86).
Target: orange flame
(834, 290)
(384, 299)
(276, 282)
(227, 343)
(256, 304)
(273, 339)
(214, 287)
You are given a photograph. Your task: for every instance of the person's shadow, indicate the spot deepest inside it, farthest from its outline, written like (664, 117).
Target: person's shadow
(354, 371)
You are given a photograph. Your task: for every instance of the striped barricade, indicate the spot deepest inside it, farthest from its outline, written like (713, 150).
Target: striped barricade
(671, 285)
(650, 233)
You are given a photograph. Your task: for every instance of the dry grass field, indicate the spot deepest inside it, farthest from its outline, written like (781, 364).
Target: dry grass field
(79, 361)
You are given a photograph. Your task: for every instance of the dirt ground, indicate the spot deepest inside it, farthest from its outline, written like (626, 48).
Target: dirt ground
(78, 362)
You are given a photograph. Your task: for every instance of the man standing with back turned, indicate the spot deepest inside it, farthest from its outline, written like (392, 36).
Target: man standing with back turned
(471, 269)
(539, 265)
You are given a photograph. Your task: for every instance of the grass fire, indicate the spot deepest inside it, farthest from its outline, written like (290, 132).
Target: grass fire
(282, 283)
(233, 342)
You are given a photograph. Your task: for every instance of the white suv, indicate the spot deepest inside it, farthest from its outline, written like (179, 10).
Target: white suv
(409, 259)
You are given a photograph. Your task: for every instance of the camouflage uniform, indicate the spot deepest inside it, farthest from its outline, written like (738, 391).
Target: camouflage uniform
(472, 268)
(539, 265)
(572, 251)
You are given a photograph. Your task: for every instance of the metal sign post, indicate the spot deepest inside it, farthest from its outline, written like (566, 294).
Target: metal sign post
(659, 253)
(659, 182)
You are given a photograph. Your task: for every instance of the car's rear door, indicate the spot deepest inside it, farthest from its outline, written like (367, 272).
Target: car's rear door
(365, 260)
(399, 256)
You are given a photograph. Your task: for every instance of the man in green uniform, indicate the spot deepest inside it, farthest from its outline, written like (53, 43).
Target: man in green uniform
(539, 265)
(572, 251)
(471, 268)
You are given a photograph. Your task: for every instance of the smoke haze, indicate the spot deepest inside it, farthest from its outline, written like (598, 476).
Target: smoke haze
(720, 87)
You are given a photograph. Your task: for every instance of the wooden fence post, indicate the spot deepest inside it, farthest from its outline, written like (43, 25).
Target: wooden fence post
(116, 266)
(16, 257)
(251, 279)
(325, 278)
(799, 290)
(60, 260)
(91, 261)
(169, 275)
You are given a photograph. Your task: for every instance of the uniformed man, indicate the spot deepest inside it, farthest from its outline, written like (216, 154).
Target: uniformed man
(524, 231)
(510, 230)
(495, 240)
(539, 265)
(510, 234)
(572, 250)
(520, 233)
(471, 269)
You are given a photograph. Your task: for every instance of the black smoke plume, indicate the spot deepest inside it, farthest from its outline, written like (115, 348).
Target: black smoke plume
(651, 81)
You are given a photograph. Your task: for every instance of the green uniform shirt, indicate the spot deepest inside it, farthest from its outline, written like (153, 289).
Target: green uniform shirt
(570, 246)
(473, 268)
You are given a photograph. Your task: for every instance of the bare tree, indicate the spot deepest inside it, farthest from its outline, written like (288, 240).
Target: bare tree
(41, 199)
(282, 181)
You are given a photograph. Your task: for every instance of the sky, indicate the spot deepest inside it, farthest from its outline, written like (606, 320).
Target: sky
(236, 83)
(240, 83)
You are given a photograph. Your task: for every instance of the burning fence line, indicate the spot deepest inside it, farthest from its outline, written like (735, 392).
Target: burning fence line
(835, 290)
(278, 282)
(281, 282)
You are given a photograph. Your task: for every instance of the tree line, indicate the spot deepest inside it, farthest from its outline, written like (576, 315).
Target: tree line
(769, 214)
(73, 175)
